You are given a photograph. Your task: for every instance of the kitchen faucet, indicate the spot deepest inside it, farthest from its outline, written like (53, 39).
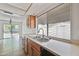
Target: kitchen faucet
(42, 32)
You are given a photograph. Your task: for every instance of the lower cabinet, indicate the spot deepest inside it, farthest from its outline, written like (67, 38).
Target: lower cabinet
(35, 52)
(29, 52)
(34, 49)
(25, 45)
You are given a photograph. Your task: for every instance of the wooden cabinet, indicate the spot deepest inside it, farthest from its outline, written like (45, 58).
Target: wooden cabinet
(29, 48)
(25, 45)
(31, 22)
(33, 49)
(35, 52)
(36, 49)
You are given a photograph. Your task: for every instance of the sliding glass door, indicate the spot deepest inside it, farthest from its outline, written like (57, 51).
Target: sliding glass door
(7, 31)
(11, 31)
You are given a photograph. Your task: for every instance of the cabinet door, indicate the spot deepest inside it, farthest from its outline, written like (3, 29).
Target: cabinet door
(35, 52)
(29, 48)
(25, 45)
(32, 21)
(33, 48)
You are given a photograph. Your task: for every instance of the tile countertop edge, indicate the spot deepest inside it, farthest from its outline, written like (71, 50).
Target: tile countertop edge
(53, 46)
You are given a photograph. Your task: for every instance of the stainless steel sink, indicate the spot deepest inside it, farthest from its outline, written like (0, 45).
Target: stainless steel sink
(43, 40)
(38, 38)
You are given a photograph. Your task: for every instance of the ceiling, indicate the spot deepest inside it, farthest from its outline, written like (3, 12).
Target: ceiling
(27, 8)
(58, 14)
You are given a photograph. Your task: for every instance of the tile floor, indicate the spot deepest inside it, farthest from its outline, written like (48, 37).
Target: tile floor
(11, 47)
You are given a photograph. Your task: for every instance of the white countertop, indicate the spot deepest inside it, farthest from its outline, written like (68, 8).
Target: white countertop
(58, 47)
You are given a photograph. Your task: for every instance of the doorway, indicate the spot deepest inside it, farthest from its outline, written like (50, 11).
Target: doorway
(12, 40)
(11, 31)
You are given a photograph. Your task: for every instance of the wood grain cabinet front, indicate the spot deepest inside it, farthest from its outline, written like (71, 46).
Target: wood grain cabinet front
(33, 49)
(29, 48)
(36, 49)
(31, 21)
(35, 52)
(25, 45)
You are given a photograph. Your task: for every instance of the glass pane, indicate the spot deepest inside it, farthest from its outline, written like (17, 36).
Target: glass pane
(15, 28)
(11, 31)
(60, 30)
(7, 27)
(44, 27)
(7, 31)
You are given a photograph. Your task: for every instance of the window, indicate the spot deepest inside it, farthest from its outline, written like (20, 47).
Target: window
(44, 27)
(11, 30)
(60, 30)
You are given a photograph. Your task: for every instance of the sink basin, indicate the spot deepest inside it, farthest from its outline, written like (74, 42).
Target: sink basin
(38, 38)
(43, 39)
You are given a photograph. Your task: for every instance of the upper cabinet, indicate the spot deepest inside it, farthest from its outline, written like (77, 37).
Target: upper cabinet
(31, 21)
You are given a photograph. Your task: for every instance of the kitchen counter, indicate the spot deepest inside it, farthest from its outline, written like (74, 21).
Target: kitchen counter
(58, 47)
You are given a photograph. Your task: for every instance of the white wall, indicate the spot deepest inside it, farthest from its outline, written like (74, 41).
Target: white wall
(1, 30)
(75, 22)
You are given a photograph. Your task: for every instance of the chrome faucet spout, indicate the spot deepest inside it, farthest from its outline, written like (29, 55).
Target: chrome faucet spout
(42, 32)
